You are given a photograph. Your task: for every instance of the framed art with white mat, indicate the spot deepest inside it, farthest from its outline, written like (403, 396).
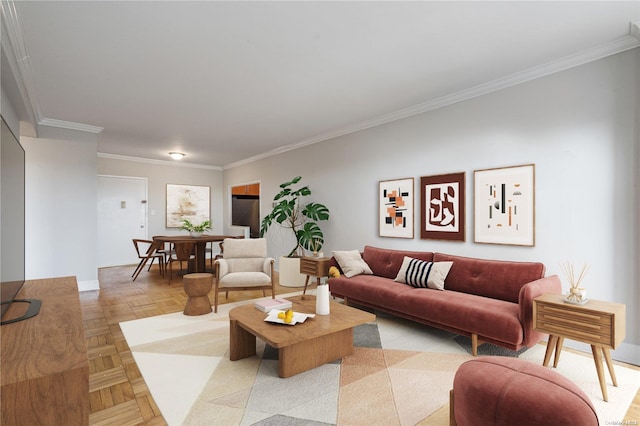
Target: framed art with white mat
(504, 205)
(396, 208)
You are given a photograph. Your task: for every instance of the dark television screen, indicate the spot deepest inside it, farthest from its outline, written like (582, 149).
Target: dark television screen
(12, 218)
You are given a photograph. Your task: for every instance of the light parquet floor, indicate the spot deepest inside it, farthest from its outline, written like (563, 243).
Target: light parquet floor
(118, 394)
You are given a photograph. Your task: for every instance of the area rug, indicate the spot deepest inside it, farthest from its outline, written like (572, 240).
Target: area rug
(400, 374)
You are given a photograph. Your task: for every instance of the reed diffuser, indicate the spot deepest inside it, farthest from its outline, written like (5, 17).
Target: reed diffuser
(576, 293)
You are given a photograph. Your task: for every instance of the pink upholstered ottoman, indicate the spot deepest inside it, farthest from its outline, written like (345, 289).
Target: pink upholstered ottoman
(510, 391)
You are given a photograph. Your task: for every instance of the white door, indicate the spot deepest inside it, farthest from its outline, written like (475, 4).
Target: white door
(122, 216)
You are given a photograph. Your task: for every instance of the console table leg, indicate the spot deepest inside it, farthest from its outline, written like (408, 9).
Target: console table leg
(306, 283)
(556, 358)
(607, 358)
(551, 345)
(597, 358)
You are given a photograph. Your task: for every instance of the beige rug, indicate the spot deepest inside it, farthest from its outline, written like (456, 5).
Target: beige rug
(399, 374)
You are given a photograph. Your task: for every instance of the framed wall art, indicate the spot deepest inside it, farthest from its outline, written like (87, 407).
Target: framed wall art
(396, 208)
(191, 202)
(504, 205)
(442, 208)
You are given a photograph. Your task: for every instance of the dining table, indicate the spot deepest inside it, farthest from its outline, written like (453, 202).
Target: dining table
(200, 245)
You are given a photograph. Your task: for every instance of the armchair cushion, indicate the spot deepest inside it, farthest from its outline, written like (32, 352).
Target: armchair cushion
(245, 248)
(245, 279)
(257, 264)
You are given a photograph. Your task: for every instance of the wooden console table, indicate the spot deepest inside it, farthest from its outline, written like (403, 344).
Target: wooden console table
(600, 324)
(44, 372)
(316, 266)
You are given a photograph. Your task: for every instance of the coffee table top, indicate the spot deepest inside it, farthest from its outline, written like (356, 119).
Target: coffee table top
(280, 335)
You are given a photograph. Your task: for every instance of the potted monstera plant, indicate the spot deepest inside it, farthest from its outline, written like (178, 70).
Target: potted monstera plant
(291, 212)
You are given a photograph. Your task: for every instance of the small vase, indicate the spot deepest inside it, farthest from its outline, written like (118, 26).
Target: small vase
(322, 299)
(196, 234)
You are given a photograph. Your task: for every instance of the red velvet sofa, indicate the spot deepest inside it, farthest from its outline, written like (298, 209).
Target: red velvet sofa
(486, 300)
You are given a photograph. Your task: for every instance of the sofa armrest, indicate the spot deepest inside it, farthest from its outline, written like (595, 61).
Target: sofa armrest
(529, 292)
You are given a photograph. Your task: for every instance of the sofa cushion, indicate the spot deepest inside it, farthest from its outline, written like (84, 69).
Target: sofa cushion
(495, 319)
(369, 289)
(423, 274)
(497, 279)
(386, 263)
(351, 263)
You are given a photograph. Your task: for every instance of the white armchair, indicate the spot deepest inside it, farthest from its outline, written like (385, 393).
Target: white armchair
(245, 266)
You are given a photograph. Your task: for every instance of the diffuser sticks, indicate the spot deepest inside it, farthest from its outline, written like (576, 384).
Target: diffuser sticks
(576, 293)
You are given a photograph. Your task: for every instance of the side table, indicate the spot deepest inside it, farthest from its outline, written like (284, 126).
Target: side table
(600, 324)
(316, 266)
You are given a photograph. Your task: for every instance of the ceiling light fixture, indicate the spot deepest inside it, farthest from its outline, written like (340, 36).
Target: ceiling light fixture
(177, 155)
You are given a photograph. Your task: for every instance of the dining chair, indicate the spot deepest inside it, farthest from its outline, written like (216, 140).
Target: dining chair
(212, 253)
(245, 266)
(181, 252)
(147, 250)
(166, 252)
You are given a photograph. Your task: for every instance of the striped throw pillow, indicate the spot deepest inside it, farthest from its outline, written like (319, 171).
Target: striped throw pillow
(423, 274)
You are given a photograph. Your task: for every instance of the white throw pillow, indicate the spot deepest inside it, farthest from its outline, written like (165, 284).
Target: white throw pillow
(423, 274)
(351, 263)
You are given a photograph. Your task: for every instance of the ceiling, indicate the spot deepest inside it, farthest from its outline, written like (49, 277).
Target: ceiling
(229, 82)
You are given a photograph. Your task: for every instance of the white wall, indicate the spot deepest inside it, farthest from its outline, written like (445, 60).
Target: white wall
(578, 127)
(158, 176)
(61, 220)
(7, 111)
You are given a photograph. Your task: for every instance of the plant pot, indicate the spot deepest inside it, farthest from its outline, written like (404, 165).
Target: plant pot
(196, 234)
(289, 272)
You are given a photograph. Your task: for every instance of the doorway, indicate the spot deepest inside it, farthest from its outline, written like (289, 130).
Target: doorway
(122, 216)
(245, 207)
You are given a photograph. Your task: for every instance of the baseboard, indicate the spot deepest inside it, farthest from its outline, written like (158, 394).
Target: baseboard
(88, 285)
(626, 352)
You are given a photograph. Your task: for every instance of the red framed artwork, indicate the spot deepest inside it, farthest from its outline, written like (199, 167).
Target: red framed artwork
(442, 208)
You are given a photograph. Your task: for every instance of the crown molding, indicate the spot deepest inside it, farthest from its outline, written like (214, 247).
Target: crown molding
(172, 163)
(70, 125)
(617, 46)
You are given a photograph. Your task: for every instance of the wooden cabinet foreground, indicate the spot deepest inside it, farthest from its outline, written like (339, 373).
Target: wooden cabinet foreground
(44, 368)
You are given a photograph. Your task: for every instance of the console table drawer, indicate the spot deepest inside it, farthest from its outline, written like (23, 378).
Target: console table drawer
(580, 316)
(316, 266)
(592, 334)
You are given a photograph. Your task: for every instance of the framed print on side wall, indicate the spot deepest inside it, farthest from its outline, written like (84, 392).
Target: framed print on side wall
(504, 205)
(396, 208)
(442, 208)
(191, 202)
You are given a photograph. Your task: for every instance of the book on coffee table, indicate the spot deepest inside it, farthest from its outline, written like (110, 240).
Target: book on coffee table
(269, 304)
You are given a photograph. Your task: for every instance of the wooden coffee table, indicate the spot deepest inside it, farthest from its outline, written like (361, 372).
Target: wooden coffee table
(303, 346)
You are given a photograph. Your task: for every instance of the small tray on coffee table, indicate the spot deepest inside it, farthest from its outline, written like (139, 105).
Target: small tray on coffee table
(297, 317)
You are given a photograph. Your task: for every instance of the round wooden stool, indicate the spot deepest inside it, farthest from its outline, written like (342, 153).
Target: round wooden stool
(197, 286)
